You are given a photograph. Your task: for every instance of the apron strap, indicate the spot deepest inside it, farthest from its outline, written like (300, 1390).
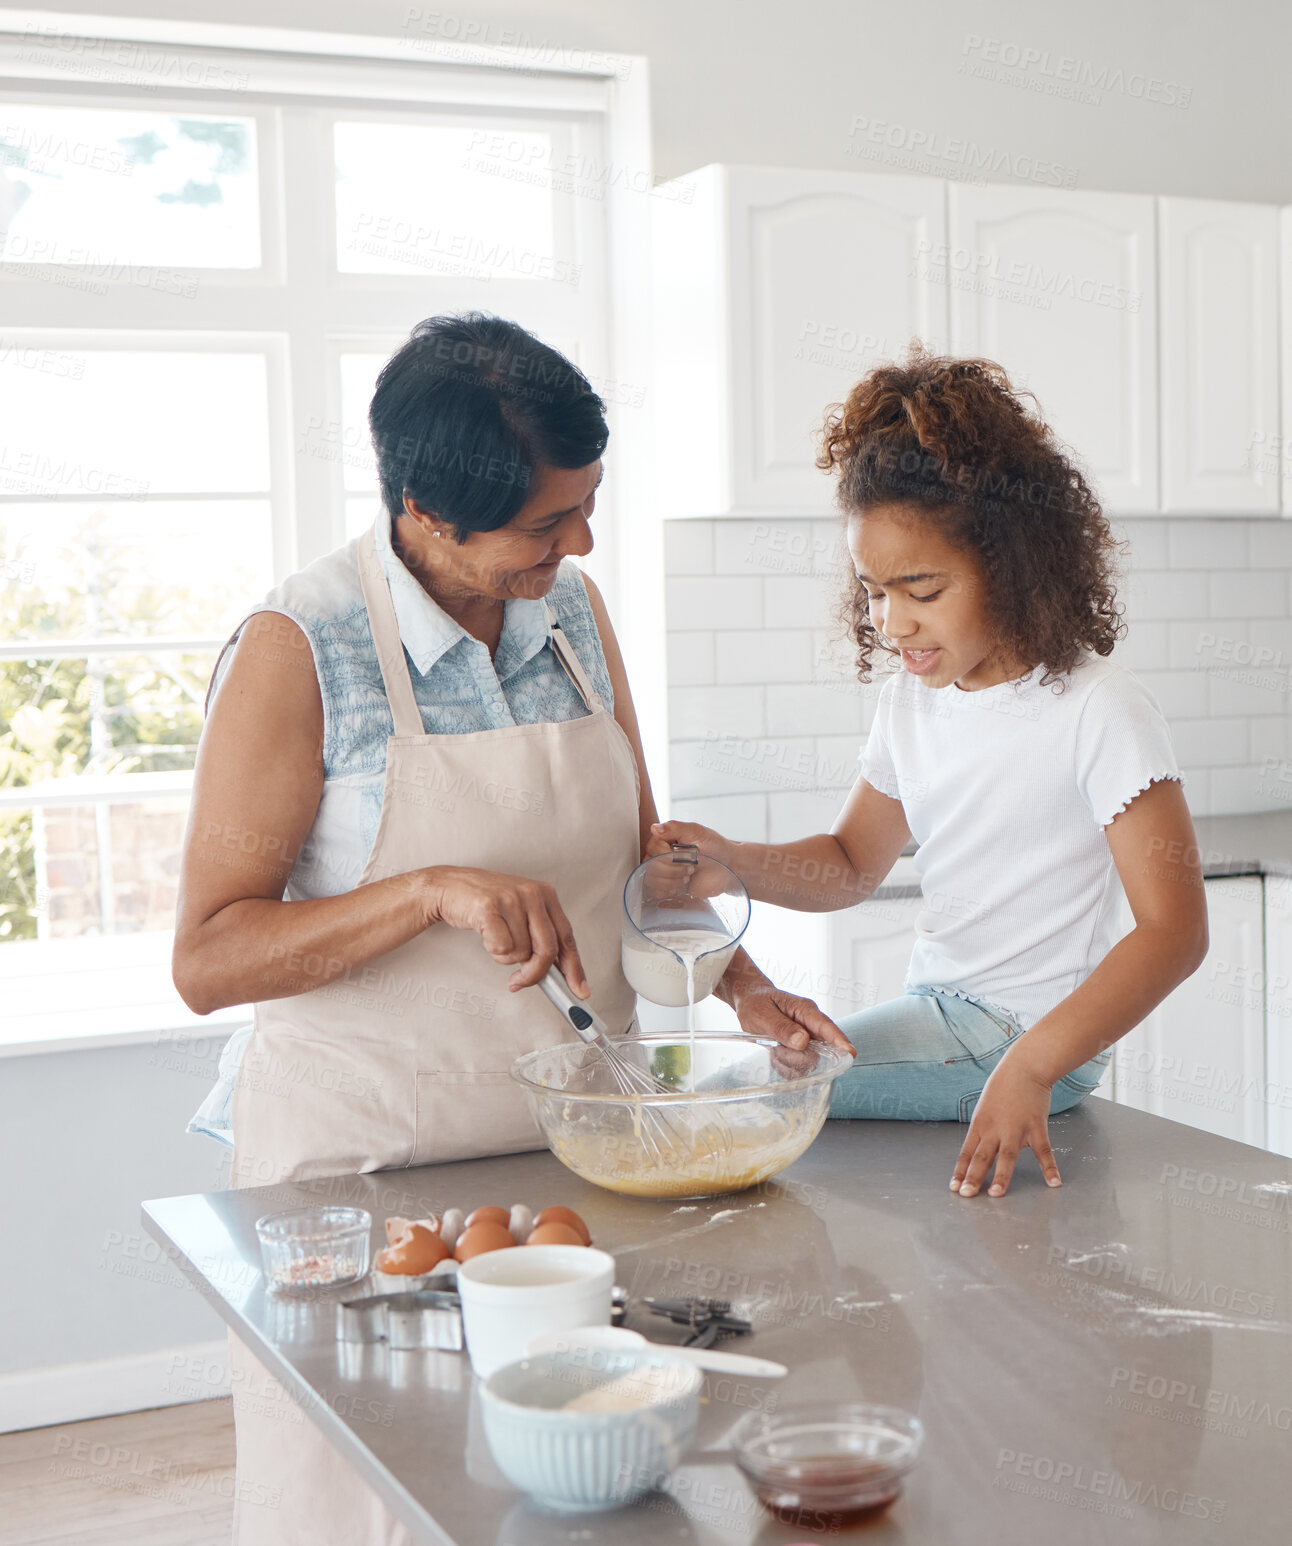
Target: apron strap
(385, 635)
(574, 666)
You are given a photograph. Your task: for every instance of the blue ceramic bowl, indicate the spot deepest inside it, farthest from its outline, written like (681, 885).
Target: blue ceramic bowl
(591, 1428)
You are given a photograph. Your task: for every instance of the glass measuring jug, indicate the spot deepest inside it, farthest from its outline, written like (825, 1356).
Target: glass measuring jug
(684, 915)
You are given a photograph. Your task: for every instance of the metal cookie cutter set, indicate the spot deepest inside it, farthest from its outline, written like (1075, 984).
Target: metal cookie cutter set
(429, 1318)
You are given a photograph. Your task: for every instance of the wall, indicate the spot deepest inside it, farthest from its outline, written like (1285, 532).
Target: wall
(762, 82)
(766, 718)
(83, 1139)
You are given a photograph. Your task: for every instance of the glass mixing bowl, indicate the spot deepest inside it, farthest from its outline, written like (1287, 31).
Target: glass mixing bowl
(743, 1109)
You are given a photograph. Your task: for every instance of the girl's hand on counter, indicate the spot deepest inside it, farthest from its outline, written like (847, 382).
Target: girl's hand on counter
(664, 834)
(1012, 1114)
(519, 921)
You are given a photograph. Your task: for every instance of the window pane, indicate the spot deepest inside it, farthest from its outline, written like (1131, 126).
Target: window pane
(108, 186)
(100, 715)
(91, 869)
(359, 515)
(131, 570)
(126, 424)
(444, 202)
(358, 379)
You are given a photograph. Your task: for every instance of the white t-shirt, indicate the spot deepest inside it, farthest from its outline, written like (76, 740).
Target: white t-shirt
(1007, 790)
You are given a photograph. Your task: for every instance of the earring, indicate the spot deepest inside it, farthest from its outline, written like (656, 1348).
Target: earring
(437, 534)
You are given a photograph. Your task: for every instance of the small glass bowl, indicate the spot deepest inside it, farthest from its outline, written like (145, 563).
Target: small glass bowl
(827, 1464)
(312, 1248)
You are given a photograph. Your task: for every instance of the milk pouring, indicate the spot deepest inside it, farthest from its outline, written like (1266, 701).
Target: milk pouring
(684, 915)
(676, 967)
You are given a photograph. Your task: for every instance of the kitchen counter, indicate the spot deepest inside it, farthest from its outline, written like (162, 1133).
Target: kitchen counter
(1259, 844)
(1105, 1362)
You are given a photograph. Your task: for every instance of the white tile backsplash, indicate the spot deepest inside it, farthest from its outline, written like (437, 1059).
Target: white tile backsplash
(1270, 545)
(721, 765)
(1200, 545)
(1240, 790)
(690, 659)
(1220, 742)
(1152, 593)
(688, 547)
(1206, 644)
(1148, 541)
(1268, 739)
(1146, 647)
(793, 601)
(1209, 633)
(1179, 694)
(812, 708)
(794, 815)
(1248, 593)
(776, 655)
(708, 601)
(695, 711)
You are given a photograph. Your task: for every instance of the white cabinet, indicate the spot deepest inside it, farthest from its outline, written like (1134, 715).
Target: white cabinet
(1199, 1058)
(1219, 279)
(1060, 289)
(870, 949)
(1280, 454)
(1278, 1013)
(776, 291)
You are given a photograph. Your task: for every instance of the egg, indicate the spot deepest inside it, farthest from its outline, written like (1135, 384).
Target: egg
(414, 1250)
(520, 1222)
(568, 1217)
(554, 1234)
(487, 1235)
(497, 1215)
(451, 1226)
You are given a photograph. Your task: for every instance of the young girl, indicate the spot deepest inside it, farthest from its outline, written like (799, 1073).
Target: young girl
(1032, 772)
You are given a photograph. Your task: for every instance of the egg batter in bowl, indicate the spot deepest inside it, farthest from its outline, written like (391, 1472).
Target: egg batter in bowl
(733, 1119)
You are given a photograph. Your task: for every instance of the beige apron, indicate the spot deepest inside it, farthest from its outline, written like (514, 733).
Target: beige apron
(405, 1061)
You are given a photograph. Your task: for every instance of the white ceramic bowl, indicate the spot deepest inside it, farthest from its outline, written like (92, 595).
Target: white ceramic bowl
(577, 1461)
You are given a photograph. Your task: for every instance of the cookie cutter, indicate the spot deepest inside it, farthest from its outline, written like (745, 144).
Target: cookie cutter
(429, 1318)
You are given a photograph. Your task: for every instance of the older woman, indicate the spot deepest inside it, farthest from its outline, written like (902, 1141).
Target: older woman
(420, 785)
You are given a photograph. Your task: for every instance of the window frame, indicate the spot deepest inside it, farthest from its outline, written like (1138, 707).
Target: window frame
(296, 84)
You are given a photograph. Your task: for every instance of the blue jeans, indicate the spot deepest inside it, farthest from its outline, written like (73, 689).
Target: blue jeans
(925, 1057)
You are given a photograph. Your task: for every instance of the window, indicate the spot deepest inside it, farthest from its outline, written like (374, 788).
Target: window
(199, 279)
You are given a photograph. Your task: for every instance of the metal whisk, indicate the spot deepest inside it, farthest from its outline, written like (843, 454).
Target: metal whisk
(657, 1133)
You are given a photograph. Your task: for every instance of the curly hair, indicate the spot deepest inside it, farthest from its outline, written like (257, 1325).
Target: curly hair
(951, 441)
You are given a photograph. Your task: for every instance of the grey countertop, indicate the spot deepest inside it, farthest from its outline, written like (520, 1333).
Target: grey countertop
(1105, 1362)
(1259, 844)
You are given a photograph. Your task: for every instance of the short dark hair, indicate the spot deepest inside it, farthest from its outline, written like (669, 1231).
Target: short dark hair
(468, 409)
